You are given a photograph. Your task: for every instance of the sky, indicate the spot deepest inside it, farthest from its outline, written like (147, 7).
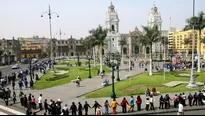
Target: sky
(22, 18)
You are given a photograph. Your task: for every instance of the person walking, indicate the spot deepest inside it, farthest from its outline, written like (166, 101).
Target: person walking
(200, 97)
(66, 109)
(132, 103)
(13, 84)
(20, 84)
(40, 100)
(106, 106)
(124, 104)
(190, 98)
(180, 109)
(161, 102)
(152, 103)
(138, 102)
(85, 107)
(25, 101)
(184, 99)
(80, 108)
(33, 102)
(195, 101)
(176, 101)
(14, 97)
(73, 108)
(29, 100)
(96, 104)
(114, 105)
(98, 111)
(45, 106)
(21, 97)
(147, 103)
(6, 99)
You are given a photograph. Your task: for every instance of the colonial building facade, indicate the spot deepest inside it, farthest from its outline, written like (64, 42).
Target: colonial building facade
(9, 51)
(70, 47)
(114, 36)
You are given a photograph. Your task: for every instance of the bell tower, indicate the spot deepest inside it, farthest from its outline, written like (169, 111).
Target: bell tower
(112, 24)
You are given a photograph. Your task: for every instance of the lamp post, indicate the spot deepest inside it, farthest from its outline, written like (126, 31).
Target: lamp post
(61, 51)
(113, 95)
(31, 80)
(192, 83)
(118, 69)
(49, 13)
(89, 75)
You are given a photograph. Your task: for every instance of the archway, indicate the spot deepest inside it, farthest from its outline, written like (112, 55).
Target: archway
(71, 54)
(125, 51)
(136, 49)
(103, 52)
(147, 50)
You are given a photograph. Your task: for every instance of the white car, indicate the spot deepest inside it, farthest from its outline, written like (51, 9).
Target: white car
(16, 66)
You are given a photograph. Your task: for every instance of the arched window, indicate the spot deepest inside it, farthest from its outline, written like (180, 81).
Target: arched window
(113, 39)
(113, 28)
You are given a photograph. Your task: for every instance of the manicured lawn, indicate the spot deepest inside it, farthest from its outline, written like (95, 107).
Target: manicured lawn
(138, 85)
(51, 80)
(73, 61)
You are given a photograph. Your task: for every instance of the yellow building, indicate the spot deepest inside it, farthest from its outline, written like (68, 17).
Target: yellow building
(29, 49)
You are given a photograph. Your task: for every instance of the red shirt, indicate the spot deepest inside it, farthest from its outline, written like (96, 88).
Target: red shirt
(124, 102)
(139, 101)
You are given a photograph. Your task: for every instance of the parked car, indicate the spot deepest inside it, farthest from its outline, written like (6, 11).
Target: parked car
(15, 66)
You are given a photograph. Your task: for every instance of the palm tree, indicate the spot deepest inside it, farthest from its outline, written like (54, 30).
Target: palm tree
(89, 43)
(203, 41)
(187, 42)
(98, 36)
(143, 42)
(199, 24)
(122, 43)
(152, 35)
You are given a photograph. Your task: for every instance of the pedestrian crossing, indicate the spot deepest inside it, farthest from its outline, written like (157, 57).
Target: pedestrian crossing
(8, 111)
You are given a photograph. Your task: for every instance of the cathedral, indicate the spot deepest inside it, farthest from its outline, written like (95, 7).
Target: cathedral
(113, 35)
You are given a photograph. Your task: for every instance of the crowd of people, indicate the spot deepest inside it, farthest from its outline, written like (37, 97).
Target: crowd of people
(33, 105)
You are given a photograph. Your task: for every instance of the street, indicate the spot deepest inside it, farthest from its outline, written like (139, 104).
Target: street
(10, 110)
(197, 112)
(7, 70)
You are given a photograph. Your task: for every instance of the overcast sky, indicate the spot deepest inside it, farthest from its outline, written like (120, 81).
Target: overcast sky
(21, 18)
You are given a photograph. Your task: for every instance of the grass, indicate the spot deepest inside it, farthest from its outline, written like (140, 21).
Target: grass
(73, 61)
(138, 85)
(51, 80)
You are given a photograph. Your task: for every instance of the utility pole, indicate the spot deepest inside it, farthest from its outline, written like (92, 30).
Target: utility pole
(192, 83)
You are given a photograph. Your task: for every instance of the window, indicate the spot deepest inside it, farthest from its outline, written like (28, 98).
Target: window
(66, 42)
(58, 42)
(113, 28)
(71, 47)
(113, 45)
(113, 39)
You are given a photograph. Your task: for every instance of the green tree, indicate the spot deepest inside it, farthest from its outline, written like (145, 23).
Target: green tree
(199, 23)
(98, 36)
(143, 42)
(203, 41)
(187, 42)
(152, 35)
(122, 43)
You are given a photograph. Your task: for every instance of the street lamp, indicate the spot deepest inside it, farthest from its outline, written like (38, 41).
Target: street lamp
(61, 51)
(31, 80)
(49, 13)
(113, 95)
(118, 69)
(89, 76)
